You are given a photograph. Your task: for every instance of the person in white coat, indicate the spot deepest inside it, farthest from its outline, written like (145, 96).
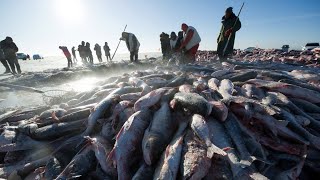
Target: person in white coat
(190, 42)
(132, 45)
(173, 41)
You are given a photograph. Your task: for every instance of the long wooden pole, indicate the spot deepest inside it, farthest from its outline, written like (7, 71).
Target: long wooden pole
(118, 44)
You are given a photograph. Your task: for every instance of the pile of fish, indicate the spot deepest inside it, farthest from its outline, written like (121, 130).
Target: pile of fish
(308, 58)
(176, 122)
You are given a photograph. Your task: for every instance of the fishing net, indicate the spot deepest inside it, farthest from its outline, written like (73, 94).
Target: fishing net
(52, 97)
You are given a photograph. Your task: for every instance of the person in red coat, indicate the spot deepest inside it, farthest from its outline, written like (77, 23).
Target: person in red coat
(67, 54)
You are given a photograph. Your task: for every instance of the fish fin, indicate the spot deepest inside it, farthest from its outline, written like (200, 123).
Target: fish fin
(173, 103)
(181, 138)
(210, 152)
(54, 117)
(39, 170)
(75, 176)
(120, 133)
(167, 151)
(245, 163)
(110, 158)
(214, 149)
(227, 149)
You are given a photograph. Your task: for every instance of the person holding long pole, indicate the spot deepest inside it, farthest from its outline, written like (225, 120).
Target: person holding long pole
(230, 25)
(132, 45)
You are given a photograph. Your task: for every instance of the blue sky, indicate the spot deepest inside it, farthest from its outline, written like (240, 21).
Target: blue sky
(40, 26)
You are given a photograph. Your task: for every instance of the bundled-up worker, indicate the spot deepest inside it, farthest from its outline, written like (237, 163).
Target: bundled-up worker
(190, 43)
(97, 48)
(229, 28)
(73, 50)
(107, 51)
(82, 52)
(165, 45)
(89, 52)
(132, 45)
(4, 62)
(10, 49)
(67, 54)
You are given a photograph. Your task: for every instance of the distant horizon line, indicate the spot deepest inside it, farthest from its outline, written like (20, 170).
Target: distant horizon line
(146, 52)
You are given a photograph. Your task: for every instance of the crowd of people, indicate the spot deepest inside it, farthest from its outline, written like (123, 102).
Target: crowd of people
(85, 53)
(182, 47)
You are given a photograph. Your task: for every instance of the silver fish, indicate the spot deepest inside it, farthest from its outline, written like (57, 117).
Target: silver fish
(128, 142)
(158, 134)
(98, 111)
(200, 127)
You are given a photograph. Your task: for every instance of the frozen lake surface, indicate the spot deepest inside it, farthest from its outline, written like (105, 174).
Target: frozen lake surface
(58, 62)
(11, 99)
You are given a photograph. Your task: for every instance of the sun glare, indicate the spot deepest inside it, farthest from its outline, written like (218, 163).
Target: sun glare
(82, 85)
(70, 11)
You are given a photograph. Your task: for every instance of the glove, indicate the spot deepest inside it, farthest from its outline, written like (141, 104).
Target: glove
(228, 32)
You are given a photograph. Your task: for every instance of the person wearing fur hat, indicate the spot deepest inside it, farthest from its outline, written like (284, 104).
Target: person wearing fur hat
(229, 28)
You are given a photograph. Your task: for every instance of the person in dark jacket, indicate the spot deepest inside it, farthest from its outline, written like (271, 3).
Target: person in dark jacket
(89, 53)
(97, 48)
(4, 62)
(229, 28)
(74, 54)
(165, 45)
(107, 51)
(132, 45)
(10, 49)
(67, 54)
(179, 41)
(82, 52)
